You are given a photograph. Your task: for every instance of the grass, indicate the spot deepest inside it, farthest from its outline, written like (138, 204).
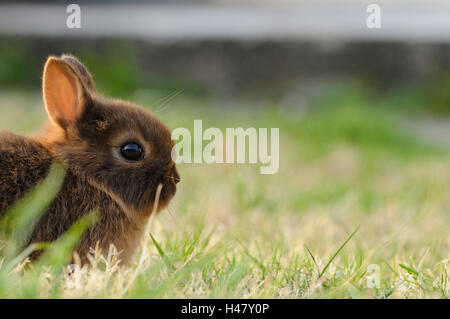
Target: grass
(353, 191)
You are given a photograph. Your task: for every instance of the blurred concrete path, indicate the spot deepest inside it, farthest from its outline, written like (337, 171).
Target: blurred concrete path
(433, 130)
(424, 21)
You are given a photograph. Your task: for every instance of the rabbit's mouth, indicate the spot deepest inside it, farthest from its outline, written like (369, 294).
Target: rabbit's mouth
(167, 191)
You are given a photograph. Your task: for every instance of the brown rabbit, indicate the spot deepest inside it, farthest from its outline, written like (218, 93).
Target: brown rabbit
(116, 155)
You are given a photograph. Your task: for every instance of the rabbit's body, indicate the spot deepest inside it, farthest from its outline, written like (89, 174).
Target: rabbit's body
(114, 226)
(115, 153)
(23, 163)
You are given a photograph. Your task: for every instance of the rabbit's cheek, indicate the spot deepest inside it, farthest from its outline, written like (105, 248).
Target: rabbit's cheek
(169, 190)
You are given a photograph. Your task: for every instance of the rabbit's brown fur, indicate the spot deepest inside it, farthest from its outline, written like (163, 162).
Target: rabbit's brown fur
(84, 133)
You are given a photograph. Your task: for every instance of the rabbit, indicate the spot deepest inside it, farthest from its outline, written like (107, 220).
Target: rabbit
(115, 154)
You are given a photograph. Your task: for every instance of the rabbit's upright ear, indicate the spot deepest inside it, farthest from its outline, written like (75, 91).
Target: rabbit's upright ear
(64, 92)
(80, 70)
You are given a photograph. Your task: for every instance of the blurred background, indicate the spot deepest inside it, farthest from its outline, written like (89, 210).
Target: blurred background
(287, 51)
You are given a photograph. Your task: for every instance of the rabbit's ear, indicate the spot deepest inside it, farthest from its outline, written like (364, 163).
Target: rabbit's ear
(64, 94)
(83, 74)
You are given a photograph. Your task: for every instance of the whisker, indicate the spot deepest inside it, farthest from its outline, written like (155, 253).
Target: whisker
(175, 214)
(166, 100)
(172, 212)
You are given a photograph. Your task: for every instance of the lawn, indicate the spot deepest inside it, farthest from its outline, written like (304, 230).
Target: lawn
(355, 193)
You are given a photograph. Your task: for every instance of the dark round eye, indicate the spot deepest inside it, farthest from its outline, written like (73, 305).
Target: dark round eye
(131, 151)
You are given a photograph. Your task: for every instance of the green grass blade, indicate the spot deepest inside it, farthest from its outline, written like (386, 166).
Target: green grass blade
(313, 258)
(60, 251)
(409, 270)
(24, 254)
(338, 251)
(17, 224)
(162, 254)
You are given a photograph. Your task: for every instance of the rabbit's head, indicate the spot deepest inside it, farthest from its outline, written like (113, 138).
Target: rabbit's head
(115, 146)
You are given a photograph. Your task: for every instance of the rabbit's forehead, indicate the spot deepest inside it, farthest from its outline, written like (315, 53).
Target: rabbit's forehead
(131, 122)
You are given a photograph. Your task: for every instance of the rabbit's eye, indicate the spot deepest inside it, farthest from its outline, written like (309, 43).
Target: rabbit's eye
(131, 151)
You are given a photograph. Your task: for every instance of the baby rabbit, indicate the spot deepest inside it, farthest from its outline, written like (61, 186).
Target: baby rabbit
(116, 154)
